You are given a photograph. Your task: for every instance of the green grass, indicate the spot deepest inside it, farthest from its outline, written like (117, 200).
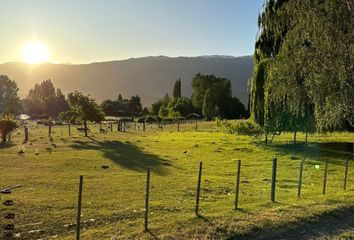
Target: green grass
(113, 198)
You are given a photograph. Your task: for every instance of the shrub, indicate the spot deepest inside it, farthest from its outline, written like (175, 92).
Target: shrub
(7, 125)
(239, 127)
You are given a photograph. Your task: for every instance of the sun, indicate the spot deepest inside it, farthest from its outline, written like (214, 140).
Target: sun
(35, 52)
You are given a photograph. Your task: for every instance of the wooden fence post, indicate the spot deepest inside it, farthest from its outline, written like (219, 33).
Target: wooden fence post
(178, 126)
(325, 177)
(50, 129)
(69, 129)
(196, 125)
(237, 183)
(79, 209)
(300, 178)
(147, 200)
(26, 133)
(274, 179)
(144, 126)
(346, 174)
(198, 189)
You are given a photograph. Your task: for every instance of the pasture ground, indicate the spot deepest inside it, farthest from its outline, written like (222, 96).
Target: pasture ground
(113, 197)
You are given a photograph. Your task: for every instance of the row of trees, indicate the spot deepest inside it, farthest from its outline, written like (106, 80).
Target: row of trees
(42, 101)
(45, 101)
(211, 96)
(303, 66)
(124, 107)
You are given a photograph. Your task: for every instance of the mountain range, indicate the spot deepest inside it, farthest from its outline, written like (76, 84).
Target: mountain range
(149, 77)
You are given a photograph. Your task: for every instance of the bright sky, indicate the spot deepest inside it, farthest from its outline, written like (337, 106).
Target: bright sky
(83, 31)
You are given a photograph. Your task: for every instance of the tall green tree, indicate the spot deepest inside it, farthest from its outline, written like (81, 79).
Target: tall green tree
(303, 71)
(225, 105)
(108, 107)
(123, 107)
(163, 112)
(120, 98)
(9, 101)
(182, 105)
(83, 108)
(135, 105)
(208, 105)
(177, 92)
(44, 99)
(219, 88)
(155, 107)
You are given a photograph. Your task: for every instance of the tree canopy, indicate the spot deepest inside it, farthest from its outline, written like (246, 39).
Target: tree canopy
(180, 106)
(44, 100)
(177, 92)
(83, 108)
(123, 107)
(219, 100)
(208, 109)
(9, 101)
(303, 66)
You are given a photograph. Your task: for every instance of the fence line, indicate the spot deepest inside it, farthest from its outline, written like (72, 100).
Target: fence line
(79, 209)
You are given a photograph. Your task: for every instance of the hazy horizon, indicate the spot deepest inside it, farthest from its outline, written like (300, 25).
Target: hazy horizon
(130, 58)
(80, 32)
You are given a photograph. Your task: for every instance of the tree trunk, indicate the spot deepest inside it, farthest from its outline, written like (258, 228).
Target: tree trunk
(3, 138)
(26, 134)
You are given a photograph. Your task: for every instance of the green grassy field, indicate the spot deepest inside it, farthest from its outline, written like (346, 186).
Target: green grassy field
(113, 197)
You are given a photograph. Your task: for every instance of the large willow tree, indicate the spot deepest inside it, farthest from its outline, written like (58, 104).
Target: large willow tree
(303, 66)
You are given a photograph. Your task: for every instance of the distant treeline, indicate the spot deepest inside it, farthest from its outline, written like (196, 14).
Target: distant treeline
(211, 97)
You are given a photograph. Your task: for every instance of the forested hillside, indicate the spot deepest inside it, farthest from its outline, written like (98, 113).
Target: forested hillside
(149, 77)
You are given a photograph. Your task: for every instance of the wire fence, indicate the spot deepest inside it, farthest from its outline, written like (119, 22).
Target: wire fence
(143, 199)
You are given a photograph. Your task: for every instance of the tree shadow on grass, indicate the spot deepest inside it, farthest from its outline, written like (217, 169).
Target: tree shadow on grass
(125, 155)
(338, 151)
(325, 224)
(6, 145)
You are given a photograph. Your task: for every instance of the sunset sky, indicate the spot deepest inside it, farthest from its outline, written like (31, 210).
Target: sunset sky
(83, 31)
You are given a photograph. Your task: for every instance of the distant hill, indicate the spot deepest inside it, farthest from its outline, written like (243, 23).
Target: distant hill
(149, 77)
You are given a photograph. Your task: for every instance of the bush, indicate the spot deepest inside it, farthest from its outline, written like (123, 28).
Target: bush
(7, 125)
(151, 119)
(239, 127)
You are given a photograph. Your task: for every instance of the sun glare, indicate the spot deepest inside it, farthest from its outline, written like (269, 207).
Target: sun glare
(35, 52)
